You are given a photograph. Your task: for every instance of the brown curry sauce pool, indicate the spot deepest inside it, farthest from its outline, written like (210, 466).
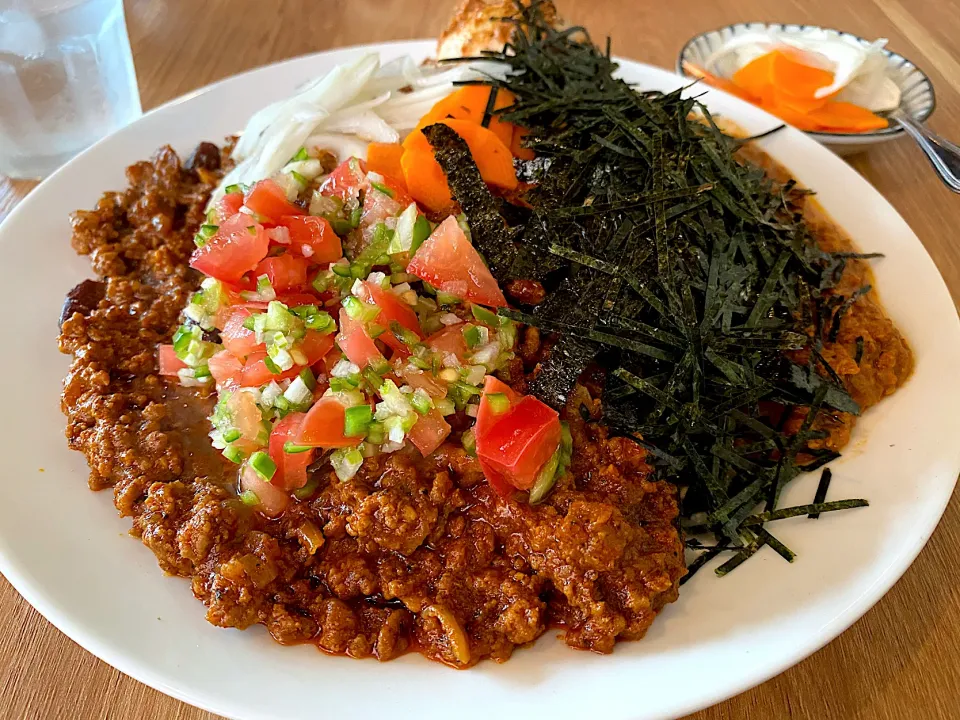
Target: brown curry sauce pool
(412, 553)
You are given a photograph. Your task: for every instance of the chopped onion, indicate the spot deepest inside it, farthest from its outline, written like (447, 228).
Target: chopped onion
(378, 278)
(298, 393)
(475, 374)
(486, 354)
(346, 462)
(269, 394)
(322, 204)
(402, 240)
(344, 368)
(309, 169)
(279, 235)
(291, 186)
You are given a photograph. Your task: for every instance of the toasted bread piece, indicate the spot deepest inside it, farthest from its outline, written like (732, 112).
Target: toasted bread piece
(474, 27)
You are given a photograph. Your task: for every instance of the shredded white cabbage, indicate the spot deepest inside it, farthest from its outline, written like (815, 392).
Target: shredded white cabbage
(352, 105)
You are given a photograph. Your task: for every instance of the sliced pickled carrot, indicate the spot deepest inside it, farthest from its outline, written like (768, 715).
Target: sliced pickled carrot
(799, 120)
(425, 179)
(792, 77)
(384, 158)
(470, 103)
(847, 117)
(799, 104)
(720, 83)
(756, 78)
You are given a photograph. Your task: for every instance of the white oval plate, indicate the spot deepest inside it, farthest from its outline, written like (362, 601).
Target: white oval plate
(65, 549)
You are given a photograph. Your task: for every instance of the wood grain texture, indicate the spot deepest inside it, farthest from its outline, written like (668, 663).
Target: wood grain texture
(897, 663)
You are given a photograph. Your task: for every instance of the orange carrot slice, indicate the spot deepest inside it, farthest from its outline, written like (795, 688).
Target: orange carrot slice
(799, 120)
(798, 104)
(783, 72)
(784, 82)
(720, 83)
(423, 174)
(756, 78)
(847, 117)
(470, 103)
(384, 158)
(790, 75)
(425, 180)
(493, 158)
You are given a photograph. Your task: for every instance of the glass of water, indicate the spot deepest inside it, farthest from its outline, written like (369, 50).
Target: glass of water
(66, 80)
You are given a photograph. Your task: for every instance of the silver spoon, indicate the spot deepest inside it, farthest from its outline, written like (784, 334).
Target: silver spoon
(943, 154)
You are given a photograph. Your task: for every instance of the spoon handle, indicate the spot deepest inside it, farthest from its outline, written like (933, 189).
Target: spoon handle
(943, 154)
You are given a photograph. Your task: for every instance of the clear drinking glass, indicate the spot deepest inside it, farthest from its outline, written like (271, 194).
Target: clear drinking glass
(66, 80)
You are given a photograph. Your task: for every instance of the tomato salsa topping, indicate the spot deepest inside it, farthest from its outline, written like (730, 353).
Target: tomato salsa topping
(312, 352)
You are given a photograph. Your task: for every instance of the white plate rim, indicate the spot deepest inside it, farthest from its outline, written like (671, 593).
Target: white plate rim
(91, 641)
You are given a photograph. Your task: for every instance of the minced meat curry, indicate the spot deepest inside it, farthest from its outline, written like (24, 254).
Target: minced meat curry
(411, 553)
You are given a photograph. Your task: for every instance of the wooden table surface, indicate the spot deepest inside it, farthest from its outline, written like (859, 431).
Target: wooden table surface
(902, 660)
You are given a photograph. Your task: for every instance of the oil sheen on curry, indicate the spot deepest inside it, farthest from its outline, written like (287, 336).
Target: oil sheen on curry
(427, 392)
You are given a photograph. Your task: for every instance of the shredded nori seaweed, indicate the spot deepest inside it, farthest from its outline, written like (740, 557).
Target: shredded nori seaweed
(685, 272)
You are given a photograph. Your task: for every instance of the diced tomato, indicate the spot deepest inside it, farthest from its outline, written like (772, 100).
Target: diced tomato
(225, 312)
(230, 371)
(516, 444)
(284, 271)
(268, 199)
(316, 234)
(273, 500)
(291, 467)
(323, 426)
(229, 205)
(392, 309)
(168, 361)
(315, 346)
(226, 368)
(235, 337)
(485, 420)
(450, 263)
(498, 481)
(449, 340)
(253, 371)
(486, 417)
(429, 432)
(232, 290)
(236, 248)
(347, 179)
(256, 373)
(356, 342)
(246, 415)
